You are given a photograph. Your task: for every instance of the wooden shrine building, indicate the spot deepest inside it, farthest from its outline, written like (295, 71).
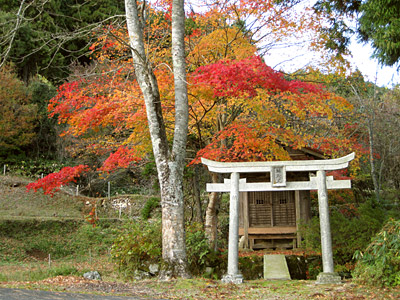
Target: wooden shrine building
(271, 219)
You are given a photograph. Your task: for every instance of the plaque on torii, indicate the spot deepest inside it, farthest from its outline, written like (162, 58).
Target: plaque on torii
(278, 170)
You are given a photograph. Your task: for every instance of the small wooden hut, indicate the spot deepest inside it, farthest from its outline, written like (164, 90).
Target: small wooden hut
(270, 220)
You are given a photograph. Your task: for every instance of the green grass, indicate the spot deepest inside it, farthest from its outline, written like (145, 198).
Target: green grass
(30, 240)
(74, 247)
(17, 202)
(35, 272)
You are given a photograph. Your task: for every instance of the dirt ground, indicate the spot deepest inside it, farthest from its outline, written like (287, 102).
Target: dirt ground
(205, 289)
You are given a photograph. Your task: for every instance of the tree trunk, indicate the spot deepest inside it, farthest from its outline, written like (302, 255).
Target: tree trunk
(211, 222)
(197, 197)
(211, 215)
(372, 159)
(170, 163)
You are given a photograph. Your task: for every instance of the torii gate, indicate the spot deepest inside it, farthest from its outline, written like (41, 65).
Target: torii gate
(278, 170)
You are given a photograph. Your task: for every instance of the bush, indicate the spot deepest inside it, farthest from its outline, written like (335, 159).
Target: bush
(349, 233)
(251, 266)
(197, 248)
(149, 206)
(200, 255)
(137, 247)
(23, 166)
(380, 263)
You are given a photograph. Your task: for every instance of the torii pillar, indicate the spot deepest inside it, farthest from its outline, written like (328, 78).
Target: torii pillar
(278, 170)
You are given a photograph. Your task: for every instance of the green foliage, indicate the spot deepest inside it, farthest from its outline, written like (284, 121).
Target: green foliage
(349, 234)
(60, 35)
(149, 172)
(199, 253)
(41, 273)
(314, 267)
(251, 267)
(380, 263)
(25, 128)
(149, 206)
(24, 166)
(380, 24)
(44, 144)
(137, 246)
(17, 114)
(61, 239)
(98, 239)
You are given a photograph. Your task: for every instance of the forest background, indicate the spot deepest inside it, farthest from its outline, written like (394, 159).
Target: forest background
(73, 107)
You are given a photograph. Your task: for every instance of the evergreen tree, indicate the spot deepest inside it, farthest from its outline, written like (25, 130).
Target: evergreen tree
(378, 23)
(45, 36)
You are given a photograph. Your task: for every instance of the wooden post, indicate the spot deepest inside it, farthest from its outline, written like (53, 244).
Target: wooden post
(298, 217)
(233, 275)
(245, 218)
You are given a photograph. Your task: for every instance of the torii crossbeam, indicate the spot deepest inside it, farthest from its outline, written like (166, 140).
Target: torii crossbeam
(278, 170)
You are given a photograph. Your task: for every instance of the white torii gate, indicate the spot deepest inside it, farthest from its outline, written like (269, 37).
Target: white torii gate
(278, 170)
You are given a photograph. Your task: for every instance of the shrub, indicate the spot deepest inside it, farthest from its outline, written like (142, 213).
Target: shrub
(349, 233)
(149, 206)
(197, 247)
(35, 168)
(380, 263)
(137, 247)
(251, 266)
(200, 255)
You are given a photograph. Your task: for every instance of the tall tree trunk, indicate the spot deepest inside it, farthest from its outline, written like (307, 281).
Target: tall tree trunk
(170, 163)
(197, 197)
(372, 159)
(211, 220)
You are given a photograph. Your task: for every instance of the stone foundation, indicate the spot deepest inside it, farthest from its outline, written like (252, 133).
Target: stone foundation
(236, 279)
(328, 278)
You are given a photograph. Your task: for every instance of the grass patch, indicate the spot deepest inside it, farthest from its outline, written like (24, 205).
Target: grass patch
(34, 240)
(36, 273)
(15, 201)
(39, 270)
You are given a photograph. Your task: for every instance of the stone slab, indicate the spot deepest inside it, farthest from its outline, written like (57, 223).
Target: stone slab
(275, 267)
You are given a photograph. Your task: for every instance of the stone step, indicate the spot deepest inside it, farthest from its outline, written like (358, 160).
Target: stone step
(275, 267)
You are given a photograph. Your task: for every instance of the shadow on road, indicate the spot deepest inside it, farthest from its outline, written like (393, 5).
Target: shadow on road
(18, 294)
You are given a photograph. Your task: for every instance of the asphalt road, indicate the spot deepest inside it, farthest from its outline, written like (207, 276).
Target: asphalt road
(18, 294)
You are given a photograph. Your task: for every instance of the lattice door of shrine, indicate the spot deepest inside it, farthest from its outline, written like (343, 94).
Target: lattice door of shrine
(271, 209)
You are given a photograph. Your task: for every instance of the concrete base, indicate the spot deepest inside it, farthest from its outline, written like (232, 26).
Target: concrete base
(275, 267)
(328, 278)
(236, 279)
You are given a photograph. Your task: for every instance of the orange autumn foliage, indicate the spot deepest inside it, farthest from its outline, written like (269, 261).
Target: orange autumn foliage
(233, 94)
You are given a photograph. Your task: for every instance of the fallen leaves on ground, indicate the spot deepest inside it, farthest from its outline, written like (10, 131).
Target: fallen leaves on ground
(206, 289)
